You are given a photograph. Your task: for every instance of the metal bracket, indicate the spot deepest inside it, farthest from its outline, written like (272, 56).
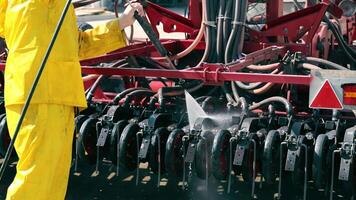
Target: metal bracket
(346, 160)
(239, 155)
(291, 158)
(102, 137)
(144, 147)
(189, 156)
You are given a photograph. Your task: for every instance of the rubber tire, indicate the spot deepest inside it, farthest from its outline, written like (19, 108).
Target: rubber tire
(87, 141)
(115, 134)
(78, 122)
(174, 155)
(319, 168)
(128, 147)
(220, 155)
(203, 147)
(153, 153)
(247, 163)
(270, 158)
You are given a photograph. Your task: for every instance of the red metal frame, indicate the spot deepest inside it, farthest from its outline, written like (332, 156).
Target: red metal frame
(304, 24)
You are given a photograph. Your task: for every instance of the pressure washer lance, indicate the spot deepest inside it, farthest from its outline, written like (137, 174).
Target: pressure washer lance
(153, 37)
(33, 88)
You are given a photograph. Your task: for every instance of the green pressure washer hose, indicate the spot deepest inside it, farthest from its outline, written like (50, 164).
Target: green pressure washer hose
(33, 88)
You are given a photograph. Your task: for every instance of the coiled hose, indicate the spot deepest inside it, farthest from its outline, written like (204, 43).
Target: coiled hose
(270, 100)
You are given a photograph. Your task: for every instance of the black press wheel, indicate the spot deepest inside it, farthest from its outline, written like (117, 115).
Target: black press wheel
(128, 147)
(86, 141)
(78, 121)
(115, 134)
(319, 168)
(221, 155)
(174, 154)
(203, 154)
(270, 159)
(247, 163)
(161, 133)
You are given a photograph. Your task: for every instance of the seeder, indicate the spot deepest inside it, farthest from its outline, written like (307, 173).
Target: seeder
(273, 98)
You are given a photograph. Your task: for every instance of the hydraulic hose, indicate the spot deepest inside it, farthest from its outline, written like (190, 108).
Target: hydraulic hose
(270, 100)
(33, 88)
(239, 41)
(268, 67)
(244, 105)
(252, 86)
(227, 22)
(205, 19)
(121, 95)
(131, 95)
(308, 66)
(89, 95)
(264, 88)
(212, 38)
(325, 63)
(168, 91)
(233, 33)
(220, 49)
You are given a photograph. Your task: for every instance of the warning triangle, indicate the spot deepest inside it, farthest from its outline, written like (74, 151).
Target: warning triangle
(326, 98)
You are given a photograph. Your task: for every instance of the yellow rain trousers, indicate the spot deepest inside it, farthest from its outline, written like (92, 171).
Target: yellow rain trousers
(44, 141)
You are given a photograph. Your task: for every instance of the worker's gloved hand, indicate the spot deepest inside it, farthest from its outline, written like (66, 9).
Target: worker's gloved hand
(127, 17)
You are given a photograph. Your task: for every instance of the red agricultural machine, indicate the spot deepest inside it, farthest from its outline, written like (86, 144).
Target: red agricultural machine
(274, 98)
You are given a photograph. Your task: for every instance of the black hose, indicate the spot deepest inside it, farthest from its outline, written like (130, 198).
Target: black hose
(227, 23)
(207, 34)
(282, 100)
(325, 62)
(233, 33)
(220, 49)
(121, 95)
(250, 86)
(90, 93)
(136, 93)
(33, 88)
(212, 18)
(168, 91)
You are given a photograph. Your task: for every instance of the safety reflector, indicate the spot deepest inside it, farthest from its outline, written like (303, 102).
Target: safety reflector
(326, 98)
(349, 94)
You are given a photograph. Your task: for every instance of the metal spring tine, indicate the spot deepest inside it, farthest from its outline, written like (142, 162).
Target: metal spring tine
(332, 173)
(184, 140)
(305, 172)
(159, 161)
(253, 168)
(280, 169)
(206, 164)
(97, 150)
(76, 156)
(118, 155)
(230, 166)
(138, 158)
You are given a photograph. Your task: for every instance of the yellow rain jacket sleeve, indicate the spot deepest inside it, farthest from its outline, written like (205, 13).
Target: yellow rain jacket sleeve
(3, 5)
(28, 27)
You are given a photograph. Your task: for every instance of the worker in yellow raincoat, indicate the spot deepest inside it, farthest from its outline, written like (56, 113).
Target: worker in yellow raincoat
(44, 142)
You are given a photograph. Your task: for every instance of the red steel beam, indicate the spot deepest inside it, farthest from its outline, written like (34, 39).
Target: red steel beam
(210, 77)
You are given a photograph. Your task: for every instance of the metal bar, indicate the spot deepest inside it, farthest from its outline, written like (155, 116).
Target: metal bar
(254, 169)
(305, 172)
(143, 49)
(332, 173)
(280, 169)
(207, 76)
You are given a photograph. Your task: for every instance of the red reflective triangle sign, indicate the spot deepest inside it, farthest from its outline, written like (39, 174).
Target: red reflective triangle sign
(326, 98)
